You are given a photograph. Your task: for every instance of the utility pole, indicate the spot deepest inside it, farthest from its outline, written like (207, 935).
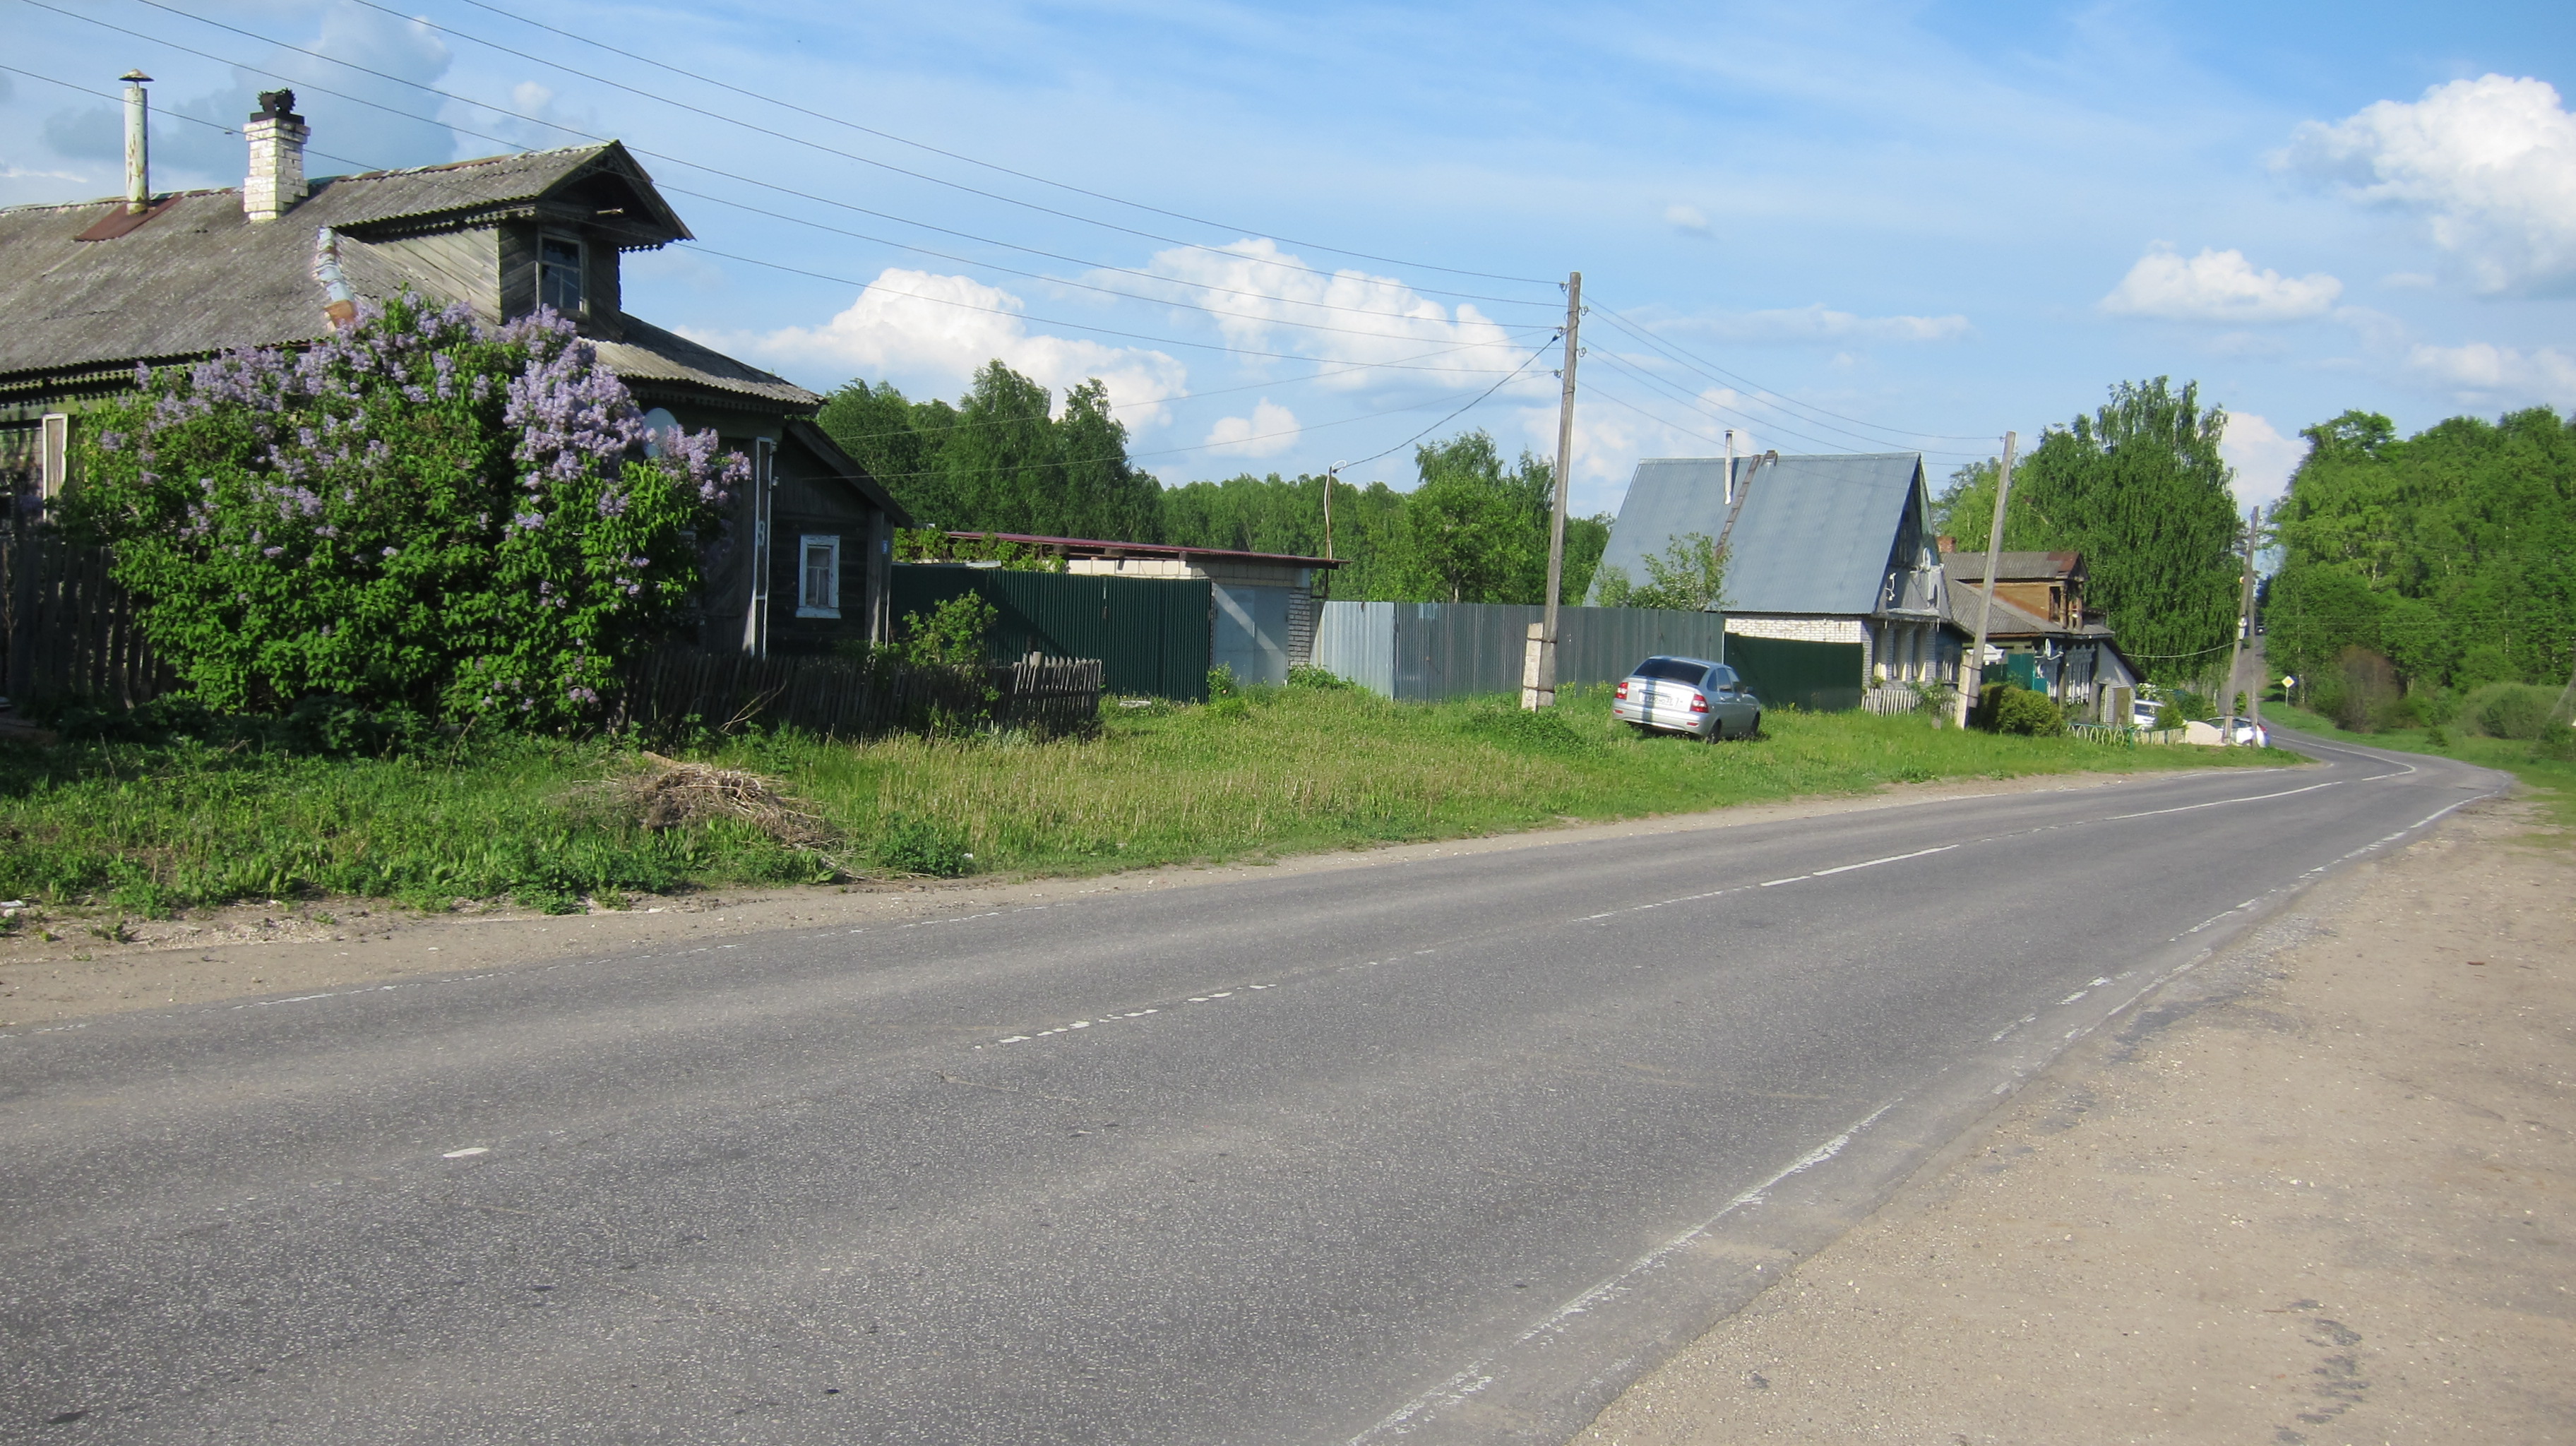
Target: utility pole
(1332, 475)
(1972, 676)
(2244, 626)
(1538, 665)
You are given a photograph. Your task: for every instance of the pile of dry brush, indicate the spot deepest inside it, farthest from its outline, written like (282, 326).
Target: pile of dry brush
(670, 793)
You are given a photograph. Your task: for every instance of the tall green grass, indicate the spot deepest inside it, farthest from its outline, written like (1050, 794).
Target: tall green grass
(153, 828)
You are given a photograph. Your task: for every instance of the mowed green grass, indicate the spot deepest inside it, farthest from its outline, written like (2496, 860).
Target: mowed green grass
(151, 829)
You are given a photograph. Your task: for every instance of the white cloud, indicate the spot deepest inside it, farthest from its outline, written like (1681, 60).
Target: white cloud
(2483, 374)
(1266, 300)
(1269, 431)
(1609, 438)
(930, 333)
(2262, 457)
(2217, 286)
(2491, 163)
(1817, 324)
(1689, 220)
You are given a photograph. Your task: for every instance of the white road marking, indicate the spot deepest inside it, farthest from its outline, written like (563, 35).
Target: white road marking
(468, 1150)
(2220, 802)
(1866, 864)
(1482, 1373)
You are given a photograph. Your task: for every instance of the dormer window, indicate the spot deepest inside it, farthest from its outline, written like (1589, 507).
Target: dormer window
(559, 274)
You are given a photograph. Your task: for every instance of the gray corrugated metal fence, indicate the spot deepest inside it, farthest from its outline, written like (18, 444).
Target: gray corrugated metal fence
(1420, 652)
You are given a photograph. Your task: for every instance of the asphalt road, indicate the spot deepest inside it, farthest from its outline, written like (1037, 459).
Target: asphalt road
(1446, 1151)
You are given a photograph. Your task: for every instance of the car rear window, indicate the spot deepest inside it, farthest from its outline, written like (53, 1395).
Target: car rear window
(1672, 670)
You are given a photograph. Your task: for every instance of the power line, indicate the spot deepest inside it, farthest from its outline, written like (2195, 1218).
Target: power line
(1774, 399)
(1158, 452)
(1260, 386)
(1716, 410)
(1721, 410)
(771, 186)
(1453, 416)
(942, 300)
(788, 137)
(706, 250)
(923, 145)
(1299, 430)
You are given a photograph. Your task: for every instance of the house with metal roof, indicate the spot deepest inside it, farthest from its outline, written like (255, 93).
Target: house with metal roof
(91, 290)
(1826, 549)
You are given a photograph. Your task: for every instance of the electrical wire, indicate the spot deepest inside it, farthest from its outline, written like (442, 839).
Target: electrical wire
(1453, 416)
(1720, 410)
(923, 145)
(1296, 431)
(1157, 452)
(320, 89)
(1778, 401)
(788, 137)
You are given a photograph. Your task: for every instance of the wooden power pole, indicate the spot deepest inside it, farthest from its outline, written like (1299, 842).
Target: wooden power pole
(1972, 675)
(2244, 627)
(1538, 665)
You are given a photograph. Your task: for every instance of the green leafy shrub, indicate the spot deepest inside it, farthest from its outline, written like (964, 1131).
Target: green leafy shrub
(1221, 683)
(926, 847)
(953, 633)
(1306, 675)
(2509, 710)
(420, 512)
(2003, 708)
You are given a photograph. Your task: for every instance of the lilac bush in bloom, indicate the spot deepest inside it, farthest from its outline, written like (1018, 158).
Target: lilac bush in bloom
(322, 521)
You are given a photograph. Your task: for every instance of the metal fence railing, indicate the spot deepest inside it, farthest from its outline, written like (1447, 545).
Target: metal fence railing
(1422, 652)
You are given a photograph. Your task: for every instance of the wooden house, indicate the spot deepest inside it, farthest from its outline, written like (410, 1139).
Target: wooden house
(90, 290)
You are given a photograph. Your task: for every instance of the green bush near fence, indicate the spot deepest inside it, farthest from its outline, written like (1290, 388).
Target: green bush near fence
(151, 827)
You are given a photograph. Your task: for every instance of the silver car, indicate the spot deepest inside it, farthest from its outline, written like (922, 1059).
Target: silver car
(1687, 695)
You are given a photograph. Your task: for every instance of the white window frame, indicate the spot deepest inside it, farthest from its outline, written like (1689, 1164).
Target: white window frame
(53, 454)
(808, 605)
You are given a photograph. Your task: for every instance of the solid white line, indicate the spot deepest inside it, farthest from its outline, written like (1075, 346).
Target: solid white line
(1482, 1373)
(2214, 803)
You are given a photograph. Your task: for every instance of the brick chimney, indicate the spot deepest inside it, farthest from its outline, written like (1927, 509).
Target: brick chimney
(276, 180)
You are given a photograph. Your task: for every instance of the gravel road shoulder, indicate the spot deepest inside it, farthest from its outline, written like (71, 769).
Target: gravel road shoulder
(2322, 1190)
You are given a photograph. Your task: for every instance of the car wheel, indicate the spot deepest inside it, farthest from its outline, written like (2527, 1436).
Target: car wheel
(1756, 729)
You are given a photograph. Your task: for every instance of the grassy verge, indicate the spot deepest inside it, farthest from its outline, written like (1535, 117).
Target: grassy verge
(150, 829)
(2552, 781)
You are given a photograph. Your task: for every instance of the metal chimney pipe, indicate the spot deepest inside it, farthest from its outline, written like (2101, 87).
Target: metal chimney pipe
(138, 145)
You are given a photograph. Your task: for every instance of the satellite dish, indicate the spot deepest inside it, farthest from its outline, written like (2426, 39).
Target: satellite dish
(661, 429)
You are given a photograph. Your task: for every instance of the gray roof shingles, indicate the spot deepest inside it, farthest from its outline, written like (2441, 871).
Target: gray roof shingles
(200, 276)
(1815, 535)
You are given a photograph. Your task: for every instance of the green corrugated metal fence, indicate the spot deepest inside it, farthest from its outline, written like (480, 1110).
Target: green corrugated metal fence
(1150, 634)
(1819, 677)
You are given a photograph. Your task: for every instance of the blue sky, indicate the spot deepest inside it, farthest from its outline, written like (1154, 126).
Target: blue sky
(1847, 227)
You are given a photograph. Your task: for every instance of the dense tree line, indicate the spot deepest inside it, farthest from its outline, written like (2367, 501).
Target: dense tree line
(1474, 528)
(2447, 553)
(2139, 488)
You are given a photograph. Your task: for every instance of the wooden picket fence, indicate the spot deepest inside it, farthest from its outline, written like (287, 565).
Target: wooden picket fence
(69, 630)
(835, 697)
